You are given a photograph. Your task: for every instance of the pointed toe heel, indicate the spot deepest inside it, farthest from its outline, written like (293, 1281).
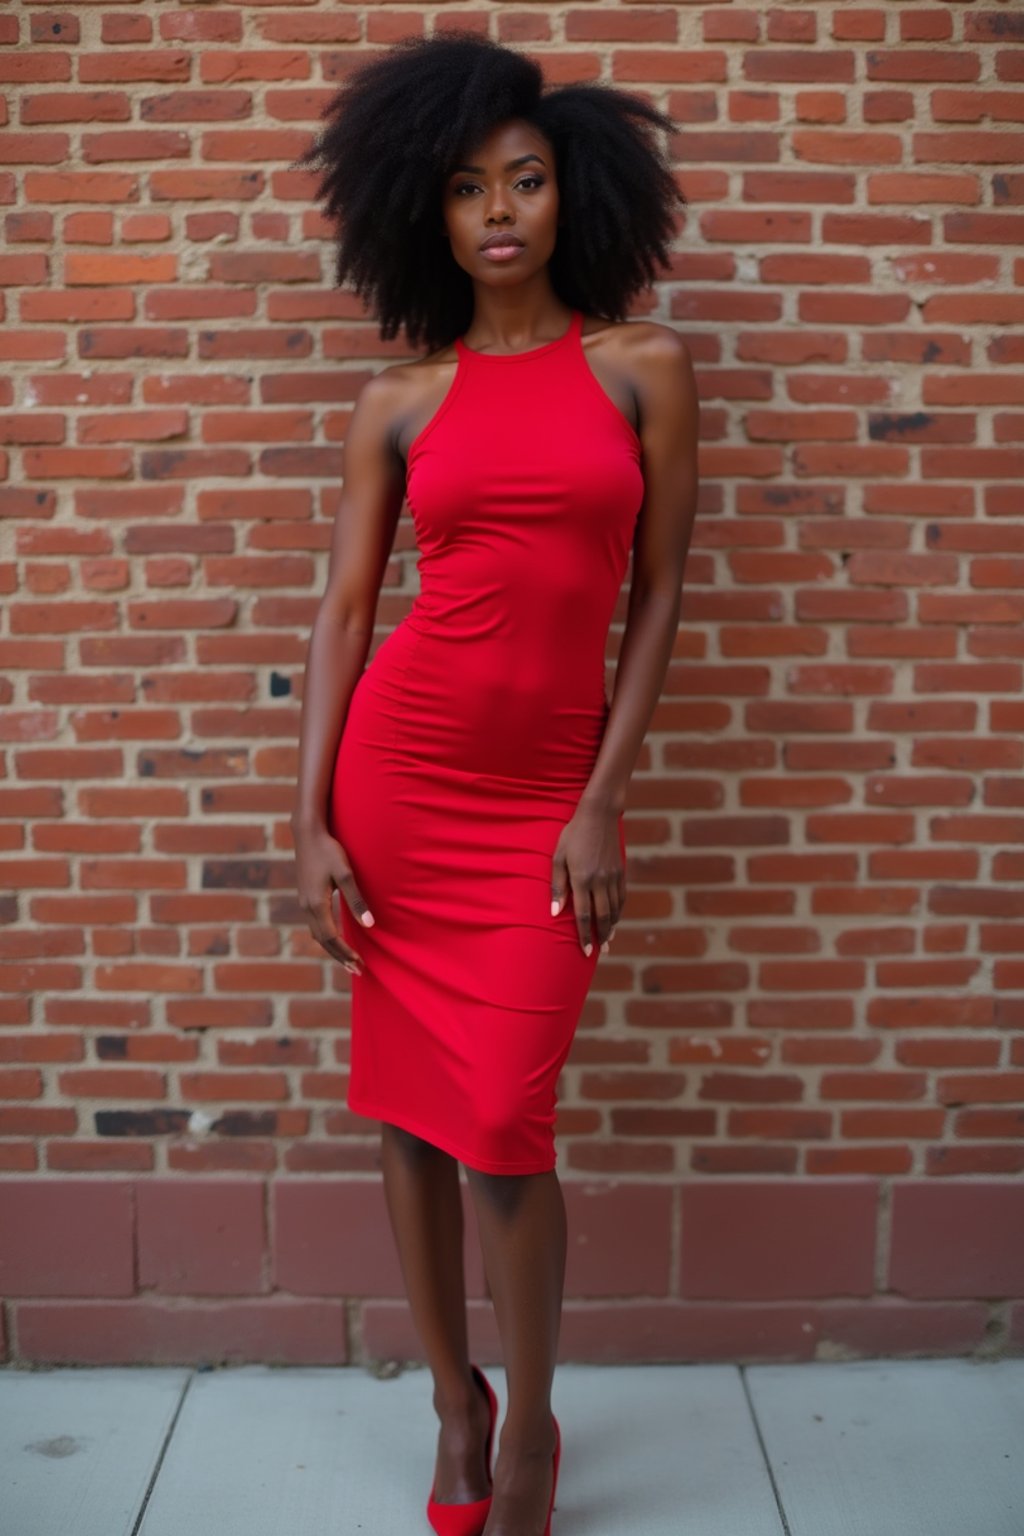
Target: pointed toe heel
(467, 1519)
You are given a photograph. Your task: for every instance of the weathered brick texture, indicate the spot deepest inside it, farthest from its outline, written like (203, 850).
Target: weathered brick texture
(815, 1000)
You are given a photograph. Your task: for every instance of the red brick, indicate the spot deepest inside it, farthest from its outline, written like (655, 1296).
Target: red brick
(142, 1332)
(112, 1083)
(83, 1156)
(62, 1237)
(620, 1239)
(957, 1240)
(617, 1333)
(201, 1238)
(329, 1239)
(217, 67)
(880, 1327)
(778, 1240)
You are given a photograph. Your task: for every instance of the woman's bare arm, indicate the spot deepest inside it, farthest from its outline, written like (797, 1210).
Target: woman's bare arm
(670, 416)
(373, 488)
(588, 857)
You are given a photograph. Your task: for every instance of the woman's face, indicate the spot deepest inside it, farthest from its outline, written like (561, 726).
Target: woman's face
(505, 186)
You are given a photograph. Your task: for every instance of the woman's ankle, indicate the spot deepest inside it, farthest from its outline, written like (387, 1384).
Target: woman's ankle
(457, 1400)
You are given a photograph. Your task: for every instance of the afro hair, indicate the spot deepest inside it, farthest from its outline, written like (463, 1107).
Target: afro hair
(405, 117)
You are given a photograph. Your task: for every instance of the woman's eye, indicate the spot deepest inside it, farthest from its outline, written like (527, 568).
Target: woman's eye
(470, 186)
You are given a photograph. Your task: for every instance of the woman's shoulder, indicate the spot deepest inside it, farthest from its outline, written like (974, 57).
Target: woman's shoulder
(409, 372)
(636, 339)
(400, 396)
(649, 358)
(392, 391)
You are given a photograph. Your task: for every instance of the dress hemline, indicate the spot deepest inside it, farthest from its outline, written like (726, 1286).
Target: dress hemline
(442, 1141)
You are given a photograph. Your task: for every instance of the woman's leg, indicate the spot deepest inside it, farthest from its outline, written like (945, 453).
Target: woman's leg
(421, 1187)
(523, 1235)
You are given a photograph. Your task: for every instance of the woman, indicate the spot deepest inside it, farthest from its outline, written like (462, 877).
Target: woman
(464, 793)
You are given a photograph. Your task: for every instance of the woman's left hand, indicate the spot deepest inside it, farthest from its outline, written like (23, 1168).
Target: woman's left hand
(589, 859)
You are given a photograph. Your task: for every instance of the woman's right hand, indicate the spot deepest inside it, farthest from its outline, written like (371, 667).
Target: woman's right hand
(321, 867)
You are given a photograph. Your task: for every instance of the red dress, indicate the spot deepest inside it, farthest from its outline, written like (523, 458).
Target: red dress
(468, 741)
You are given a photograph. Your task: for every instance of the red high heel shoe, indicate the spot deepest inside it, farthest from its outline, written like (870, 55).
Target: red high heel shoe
(554, 1481)
(466, 1519)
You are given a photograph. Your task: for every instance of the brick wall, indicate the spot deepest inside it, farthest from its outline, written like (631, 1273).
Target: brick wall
(798, 1085)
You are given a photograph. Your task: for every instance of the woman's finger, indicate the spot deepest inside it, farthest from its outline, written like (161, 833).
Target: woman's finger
(581, 908)
(602, 910)
(326, 933)
(350, 892)
(559, 883)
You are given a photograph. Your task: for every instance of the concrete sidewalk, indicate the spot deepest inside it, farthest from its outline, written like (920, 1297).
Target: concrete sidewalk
(864, 1448)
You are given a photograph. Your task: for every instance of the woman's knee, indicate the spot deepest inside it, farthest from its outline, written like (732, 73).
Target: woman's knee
(503, 1192)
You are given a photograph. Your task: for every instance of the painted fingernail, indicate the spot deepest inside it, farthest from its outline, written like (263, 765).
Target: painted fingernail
(588, 949)
(604, 947)
(368, 919)
(554, 909)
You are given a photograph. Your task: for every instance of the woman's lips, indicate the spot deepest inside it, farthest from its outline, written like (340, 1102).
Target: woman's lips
(501, 252)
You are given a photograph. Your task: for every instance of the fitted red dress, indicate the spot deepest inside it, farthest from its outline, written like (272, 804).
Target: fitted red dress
(467, 743)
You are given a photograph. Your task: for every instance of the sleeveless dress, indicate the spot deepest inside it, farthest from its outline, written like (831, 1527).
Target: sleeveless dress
(468, 741)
